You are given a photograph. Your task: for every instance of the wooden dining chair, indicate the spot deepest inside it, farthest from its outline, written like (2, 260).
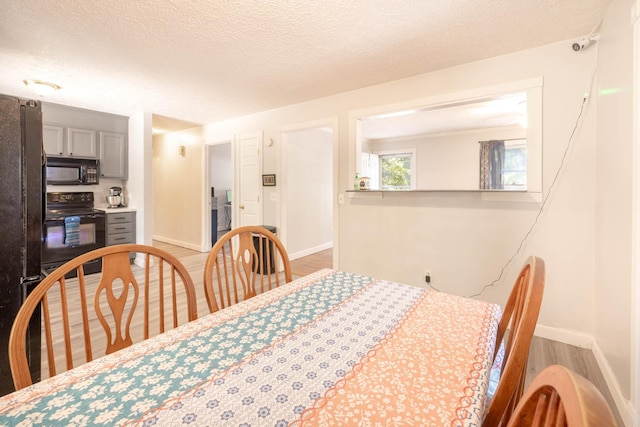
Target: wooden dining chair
(561, 398)
(102, 310)
(244, 262)
(513, 339)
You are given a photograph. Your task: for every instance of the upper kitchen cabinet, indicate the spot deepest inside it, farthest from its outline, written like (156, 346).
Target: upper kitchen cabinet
(76, 132)
(113, 155)
(53, 140)
(82, 143)
(79, 143)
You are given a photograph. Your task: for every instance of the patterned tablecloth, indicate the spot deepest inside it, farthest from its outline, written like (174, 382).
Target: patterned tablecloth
(328, 349)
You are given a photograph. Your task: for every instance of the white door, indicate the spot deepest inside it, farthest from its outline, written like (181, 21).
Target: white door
(249, 209)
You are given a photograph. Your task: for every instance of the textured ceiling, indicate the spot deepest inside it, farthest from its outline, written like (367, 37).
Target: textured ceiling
(203, 60)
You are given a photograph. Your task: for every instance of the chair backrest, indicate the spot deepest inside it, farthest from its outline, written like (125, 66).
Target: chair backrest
(520, 316)
(560, 397)
(70, 322)
(244, 262)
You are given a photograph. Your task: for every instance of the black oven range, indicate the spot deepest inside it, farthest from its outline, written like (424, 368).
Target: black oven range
(71, 227)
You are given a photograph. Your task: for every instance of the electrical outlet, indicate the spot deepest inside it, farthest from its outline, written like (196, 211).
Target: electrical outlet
(427, 276)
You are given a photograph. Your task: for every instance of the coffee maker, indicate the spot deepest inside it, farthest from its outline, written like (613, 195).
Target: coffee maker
(114, 199)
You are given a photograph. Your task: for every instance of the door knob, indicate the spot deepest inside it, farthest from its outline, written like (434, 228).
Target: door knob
(241, 207)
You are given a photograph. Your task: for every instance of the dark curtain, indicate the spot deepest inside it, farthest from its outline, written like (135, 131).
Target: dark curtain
(491, 161)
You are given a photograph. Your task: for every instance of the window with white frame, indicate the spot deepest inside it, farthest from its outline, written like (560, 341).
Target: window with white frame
(514, 170)
(397, 169)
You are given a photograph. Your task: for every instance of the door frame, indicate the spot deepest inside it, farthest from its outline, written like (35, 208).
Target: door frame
(634, 386)
(205, 245)
(281, 207)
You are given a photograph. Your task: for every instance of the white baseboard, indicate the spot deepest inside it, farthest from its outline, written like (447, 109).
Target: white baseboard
(310, 251)
(140, 260)
(625, 408)
(178, 243)
(565, 336)
(579, 339)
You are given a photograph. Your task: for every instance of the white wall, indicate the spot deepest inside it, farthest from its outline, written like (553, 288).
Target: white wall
(467, 239)
(178, 193)
(139, 183)
(614, 220)
(309, 191)
(84, 119)
(401, 235)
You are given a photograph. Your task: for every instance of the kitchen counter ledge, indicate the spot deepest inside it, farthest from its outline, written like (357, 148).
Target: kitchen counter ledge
(115, 210)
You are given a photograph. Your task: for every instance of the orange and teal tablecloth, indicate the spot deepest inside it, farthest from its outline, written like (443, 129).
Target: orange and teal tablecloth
(328, 349)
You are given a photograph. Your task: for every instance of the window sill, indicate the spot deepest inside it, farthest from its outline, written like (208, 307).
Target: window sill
(488, 195)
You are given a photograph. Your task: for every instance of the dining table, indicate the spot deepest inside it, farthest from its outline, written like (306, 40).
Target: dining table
(331, 348)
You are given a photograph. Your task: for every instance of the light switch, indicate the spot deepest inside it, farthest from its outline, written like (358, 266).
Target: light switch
(340, 198)
(273, 196)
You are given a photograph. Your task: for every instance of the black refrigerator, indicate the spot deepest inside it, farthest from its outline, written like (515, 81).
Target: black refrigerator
(22, 209)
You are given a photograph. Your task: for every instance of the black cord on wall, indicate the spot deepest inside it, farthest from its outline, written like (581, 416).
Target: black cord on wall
(542, 205)
(545, 199)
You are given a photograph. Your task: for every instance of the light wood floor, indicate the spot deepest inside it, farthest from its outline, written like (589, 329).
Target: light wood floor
(309, 264)
(543, 352)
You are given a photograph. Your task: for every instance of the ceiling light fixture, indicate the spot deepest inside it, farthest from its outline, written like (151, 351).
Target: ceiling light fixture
(40, 87)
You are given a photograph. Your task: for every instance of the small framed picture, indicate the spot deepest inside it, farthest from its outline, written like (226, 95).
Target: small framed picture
(269, 180)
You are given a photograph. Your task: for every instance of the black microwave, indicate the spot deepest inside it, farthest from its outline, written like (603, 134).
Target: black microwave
(70, 171)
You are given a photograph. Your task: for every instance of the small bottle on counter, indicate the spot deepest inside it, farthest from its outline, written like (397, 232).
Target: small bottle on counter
(356, 182)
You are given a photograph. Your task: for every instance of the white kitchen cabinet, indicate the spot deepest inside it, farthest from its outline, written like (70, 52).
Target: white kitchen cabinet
(113, 155)
(82, 143)
(61, 141)
(53, 140)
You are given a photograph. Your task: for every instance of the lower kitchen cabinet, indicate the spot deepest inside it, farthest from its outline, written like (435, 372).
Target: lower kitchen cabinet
(121, 228)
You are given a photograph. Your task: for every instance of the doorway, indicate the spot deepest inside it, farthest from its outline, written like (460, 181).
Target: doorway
(308, 190)
(220, 184)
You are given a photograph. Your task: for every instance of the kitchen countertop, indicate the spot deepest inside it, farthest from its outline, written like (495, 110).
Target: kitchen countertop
(115, 210)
